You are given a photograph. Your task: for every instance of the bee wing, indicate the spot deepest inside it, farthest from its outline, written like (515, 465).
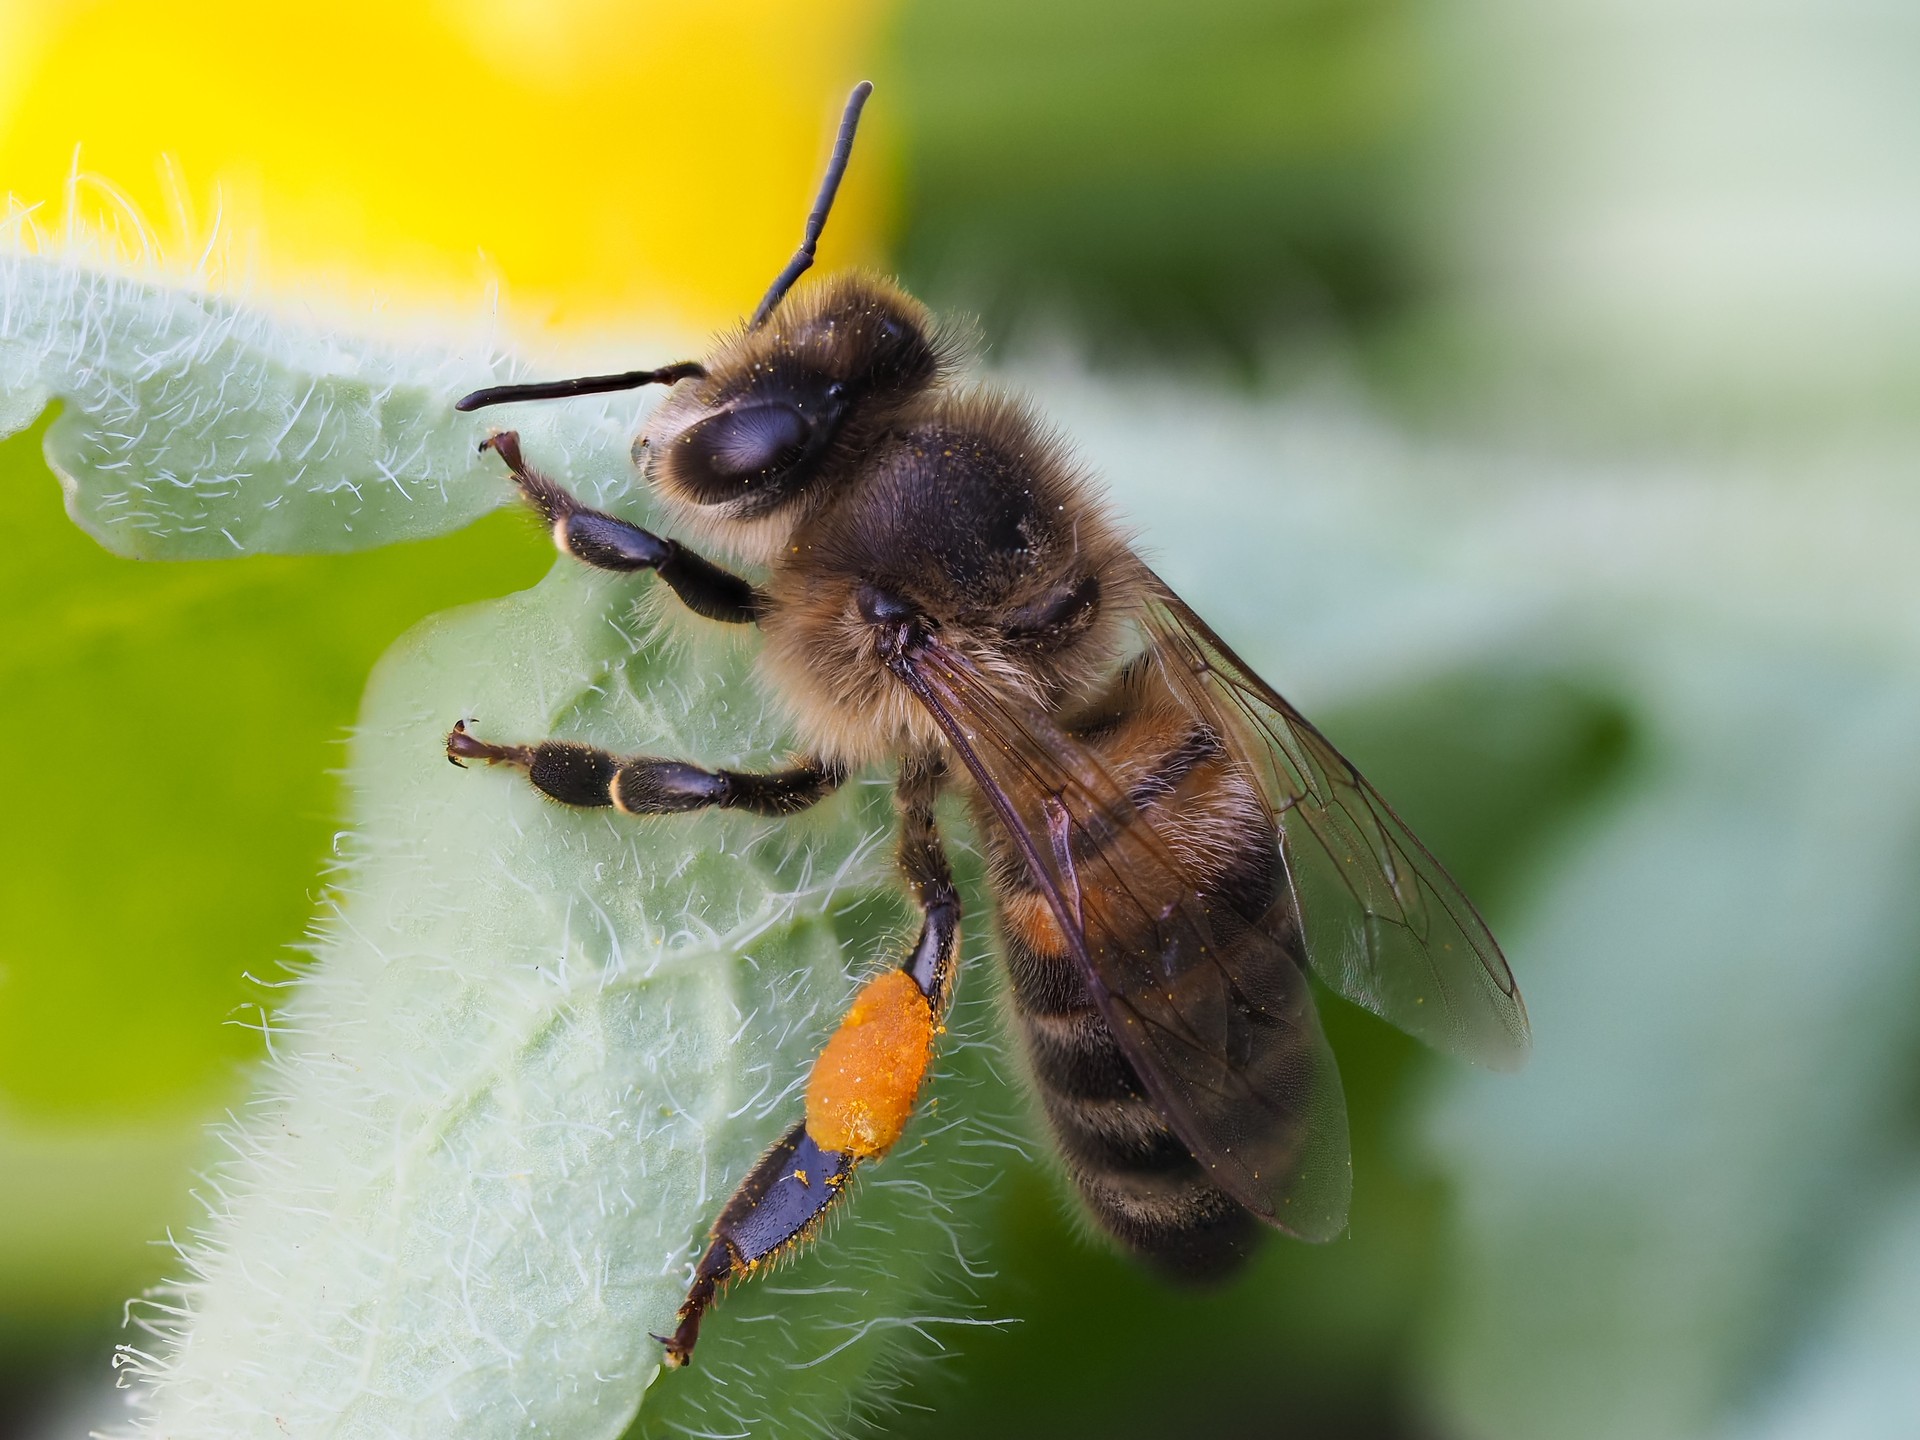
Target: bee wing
(1211, 1007)
(1384, 923)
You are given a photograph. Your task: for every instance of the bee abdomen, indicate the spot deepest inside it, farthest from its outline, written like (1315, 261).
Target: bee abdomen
(1138, 1179)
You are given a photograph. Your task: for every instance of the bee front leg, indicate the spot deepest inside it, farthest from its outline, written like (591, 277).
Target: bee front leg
(863, 1088)
(591, 778)
(609, 543)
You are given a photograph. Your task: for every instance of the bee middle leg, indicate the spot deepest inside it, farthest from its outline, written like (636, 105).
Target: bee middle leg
(863, 1088)
(607, 542)
(592, 778)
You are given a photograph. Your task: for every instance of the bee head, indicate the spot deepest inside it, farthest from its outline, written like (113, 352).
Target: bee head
(829, 367)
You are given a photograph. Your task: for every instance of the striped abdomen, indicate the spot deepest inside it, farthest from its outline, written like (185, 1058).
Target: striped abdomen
(1138, 1178)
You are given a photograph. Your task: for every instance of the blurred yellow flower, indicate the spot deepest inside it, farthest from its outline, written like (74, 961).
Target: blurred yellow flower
(609, 163)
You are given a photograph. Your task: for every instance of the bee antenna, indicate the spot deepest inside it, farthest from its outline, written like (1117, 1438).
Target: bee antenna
(585, 385)
(801, 262)
(802, 259)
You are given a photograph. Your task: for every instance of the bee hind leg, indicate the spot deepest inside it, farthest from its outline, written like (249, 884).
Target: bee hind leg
(863, 1088)
(779, 1205)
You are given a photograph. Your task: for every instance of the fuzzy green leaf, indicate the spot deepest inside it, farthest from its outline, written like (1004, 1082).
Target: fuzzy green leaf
(196, 427)
(536, 1048)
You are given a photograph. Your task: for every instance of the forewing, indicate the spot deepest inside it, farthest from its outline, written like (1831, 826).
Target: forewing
(1210, 1006)
(1384, 923)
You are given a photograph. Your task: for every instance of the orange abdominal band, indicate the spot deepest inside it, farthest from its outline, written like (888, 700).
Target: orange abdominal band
(865, 1081)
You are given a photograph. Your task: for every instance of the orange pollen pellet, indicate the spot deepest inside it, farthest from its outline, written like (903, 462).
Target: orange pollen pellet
(866, 1080)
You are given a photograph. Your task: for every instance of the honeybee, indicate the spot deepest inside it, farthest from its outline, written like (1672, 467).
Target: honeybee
(1171, 846)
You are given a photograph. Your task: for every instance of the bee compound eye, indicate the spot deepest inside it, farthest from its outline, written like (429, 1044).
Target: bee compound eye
(755, 440)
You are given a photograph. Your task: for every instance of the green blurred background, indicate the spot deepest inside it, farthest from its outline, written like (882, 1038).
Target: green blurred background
(1635, 268)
